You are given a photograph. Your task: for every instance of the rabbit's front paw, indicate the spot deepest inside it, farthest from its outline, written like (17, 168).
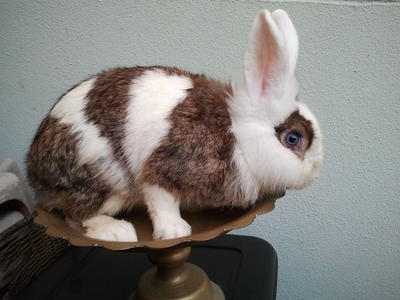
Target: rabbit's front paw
(103, 227)
(170, 228)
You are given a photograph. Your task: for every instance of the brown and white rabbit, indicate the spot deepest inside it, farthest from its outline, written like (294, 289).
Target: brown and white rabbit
(169, 138)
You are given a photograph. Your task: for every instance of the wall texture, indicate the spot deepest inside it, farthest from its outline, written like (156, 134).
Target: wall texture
(340, 238)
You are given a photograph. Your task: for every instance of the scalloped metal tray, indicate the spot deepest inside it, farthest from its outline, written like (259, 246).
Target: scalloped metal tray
(206, 224)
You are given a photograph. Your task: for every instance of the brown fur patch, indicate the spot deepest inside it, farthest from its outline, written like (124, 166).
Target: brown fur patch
(296, 123)
(58, 179)
(107, 105)
(194, 161)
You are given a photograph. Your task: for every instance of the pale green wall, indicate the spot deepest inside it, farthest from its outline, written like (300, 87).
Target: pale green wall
(338, 239)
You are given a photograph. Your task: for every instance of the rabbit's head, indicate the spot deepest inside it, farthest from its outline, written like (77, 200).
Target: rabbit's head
(278, 138)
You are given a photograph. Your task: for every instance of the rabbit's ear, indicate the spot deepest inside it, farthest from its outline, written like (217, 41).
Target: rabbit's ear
(266, 63)
(290, 37)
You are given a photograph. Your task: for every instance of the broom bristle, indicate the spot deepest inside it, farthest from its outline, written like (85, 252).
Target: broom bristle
(25, 251)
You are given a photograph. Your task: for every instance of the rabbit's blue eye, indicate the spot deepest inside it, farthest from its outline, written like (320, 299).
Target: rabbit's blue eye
(292, 139)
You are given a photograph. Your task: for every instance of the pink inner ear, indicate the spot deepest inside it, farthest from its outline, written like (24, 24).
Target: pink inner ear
(267, 58)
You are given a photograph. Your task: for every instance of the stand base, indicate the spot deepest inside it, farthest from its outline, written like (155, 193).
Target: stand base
(173, 279)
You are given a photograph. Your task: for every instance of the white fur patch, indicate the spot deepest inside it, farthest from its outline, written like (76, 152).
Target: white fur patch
(70, 110)
(112, 205)
(153, 97)
(107, 228)
(92, 147)
(314, 155)
(164, 213)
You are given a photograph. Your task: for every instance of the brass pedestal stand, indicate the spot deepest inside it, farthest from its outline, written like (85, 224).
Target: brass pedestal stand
(171, 278)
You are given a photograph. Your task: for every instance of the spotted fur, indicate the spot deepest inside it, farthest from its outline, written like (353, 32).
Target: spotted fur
(194, 161)
(58, 178)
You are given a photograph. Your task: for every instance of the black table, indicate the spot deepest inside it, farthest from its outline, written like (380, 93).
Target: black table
(244, 267)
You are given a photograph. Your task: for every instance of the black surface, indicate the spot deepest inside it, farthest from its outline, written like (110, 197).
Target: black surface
(244, 267)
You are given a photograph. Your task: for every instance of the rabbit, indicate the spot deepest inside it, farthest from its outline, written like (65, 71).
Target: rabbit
(169, 139)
